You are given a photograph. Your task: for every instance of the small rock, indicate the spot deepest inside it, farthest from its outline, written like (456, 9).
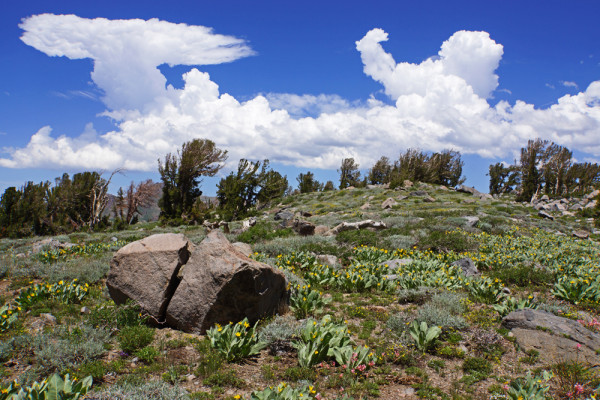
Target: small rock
(581, 234)
(114, 239)
(400, 198)
(283, 215)
(84, 310)
(190, 377)
(388, 203)
(407, 183)
(327, 259)
(365, 206)
(544, 214)
(304, 228)
(428, 199)
(49, 318)
(471, 221)
(468, 266)
(419, 193)
(321, 230)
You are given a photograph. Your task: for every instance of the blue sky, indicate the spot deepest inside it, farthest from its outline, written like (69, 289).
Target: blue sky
(83, 92)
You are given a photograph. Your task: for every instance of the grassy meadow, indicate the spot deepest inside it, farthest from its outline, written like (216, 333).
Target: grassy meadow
(361, 328)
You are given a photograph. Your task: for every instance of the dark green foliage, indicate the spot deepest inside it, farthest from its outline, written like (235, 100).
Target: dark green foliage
(361, 237)
(263, 231)
(308, 184)
(380, 173)
(523, 275)
(210, 360)
(349, 173)
(251, 184)
(42, 209)
(477, 366)
(443, 168)
(116, 316)
(224, 378)
(328, 186)
(503, 179)
(181, 176)
(135, 337)
(444, 241)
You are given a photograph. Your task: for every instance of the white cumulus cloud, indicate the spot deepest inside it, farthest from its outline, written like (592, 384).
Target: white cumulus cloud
(438, 103)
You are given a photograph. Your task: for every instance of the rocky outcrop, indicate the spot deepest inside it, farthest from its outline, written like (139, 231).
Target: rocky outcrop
(557, 339)
(349, 226)
(192, 288)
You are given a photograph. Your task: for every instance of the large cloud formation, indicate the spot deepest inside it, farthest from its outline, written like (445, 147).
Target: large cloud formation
(439, 103)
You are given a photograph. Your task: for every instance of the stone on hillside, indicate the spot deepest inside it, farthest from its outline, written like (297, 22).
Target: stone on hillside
(219, 284)
(592, 195)
(365, 206)
(305, 214)
(143, 271)
(545, 198)
(591, 204)
(283, 215)
(349, 226)
(544, 214)
(50, 243)
(243, 247)
(576, 207)
(428, 199)
(471, 221)
(321, 230)
(401, 197)
(388, 203)
(467, 189)
(304, 228)
(407, 184)
(418, 193)
(557, 339)
(248, 223)
(467, 266)
(442, 187)
(327, 259)
(581, 234)
(485, 196)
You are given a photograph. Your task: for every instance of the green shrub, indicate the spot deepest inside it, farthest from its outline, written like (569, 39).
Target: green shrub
(235, 341)
(209, 360)
(132, 338)
(147, 354)
(479, 367)
(263, 231)
(68, 348)
(111, 316)
(362, 237)
(523, 275)
(155, 390)
(437, 316)
(224, 378)
(446, 241)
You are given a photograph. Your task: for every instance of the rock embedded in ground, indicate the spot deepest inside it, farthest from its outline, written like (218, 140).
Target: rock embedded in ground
(243, 247)
(191, 288)
(557, 339)
(321, 230)
(220, 284)
(284, 215)
(581, 234)
(304, 228)
(388, 203)
(544, 214)
(349, 226)
(143, 271)
(328, 259)
(467, 266)
(418, 193)
(471, 221)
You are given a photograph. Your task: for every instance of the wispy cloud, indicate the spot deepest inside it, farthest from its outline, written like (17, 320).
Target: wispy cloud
(569, 84)
(77, 94)
(504, 91)
(436, 104)
(548, 85)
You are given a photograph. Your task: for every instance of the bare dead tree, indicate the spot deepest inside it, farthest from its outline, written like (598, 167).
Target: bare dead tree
(138, 197)
(99, 198)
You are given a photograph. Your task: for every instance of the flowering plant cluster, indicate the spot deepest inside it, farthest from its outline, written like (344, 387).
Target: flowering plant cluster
(235, 341)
